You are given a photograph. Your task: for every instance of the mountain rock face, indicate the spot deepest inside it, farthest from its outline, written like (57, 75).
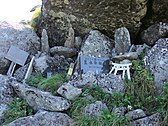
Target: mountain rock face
(160, 10)
(58, 16)
(156, 60)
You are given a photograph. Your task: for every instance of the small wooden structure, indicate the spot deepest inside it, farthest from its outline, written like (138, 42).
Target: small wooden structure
(122, 67)
(18, 56)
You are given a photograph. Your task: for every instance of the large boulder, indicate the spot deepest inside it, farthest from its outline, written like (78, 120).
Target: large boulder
(69, 92)
(6, 95)
(135, 114)
(94, 110)
(55, 64)
(16, 35)
(153, 120)
(58, 16)
(65, 51)
(160, 11)
(109, 83)
(97, 45)
(6, 91)
(156, 60)
(3, 108)
(44, 118)
(154, 33)
(40, 100)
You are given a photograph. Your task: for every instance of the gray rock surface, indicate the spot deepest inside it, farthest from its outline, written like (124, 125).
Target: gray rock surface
(154, 33)
(78, 42)
(160, 11)
(58, 16)
(129, 56)
(58, 63)
(40, 63)
(38, 99)
(20, 73)
(142, 49)
(156, 60)
(44, 118)
(3, 108)
(16, 35)
(135, 114)
(153, 120)
(97, 45)
(60, 50)
(119, 111)
(84, 80)
(44, 42)
(110, 83)
(94, 110)
(122, 40)
(6, 91)
(70, 41)
(69, 92)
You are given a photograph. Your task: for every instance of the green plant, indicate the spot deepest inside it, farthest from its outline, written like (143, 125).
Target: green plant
(47, 84)
(142, 84)
(52, 84)
(162, 105)
(106, 118)
(17, 108)
(35, 17)
(35, 79)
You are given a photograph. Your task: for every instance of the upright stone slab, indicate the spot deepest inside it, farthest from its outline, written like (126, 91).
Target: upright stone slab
(97, 45)
(122, 40)
(44, 42)
(69, 43)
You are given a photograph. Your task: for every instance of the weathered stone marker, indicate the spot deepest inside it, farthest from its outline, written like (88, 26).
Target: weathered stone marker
(122, 40)
(92, 64)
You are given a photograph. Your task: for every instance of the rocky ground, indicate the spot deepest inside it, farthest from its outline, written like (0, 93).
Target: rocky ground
(66, 32)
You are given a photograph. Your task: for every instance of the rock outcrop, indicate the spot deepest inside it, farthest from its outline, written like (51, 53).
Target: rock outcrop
(44, 118)
(40, 100)
(108, 83)
(16, 35)
(58, 16)
(156, 60)
(160, 12)
(153, 120)
(94, 110)
(6, 91)
(154, 33)
(97, 45)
